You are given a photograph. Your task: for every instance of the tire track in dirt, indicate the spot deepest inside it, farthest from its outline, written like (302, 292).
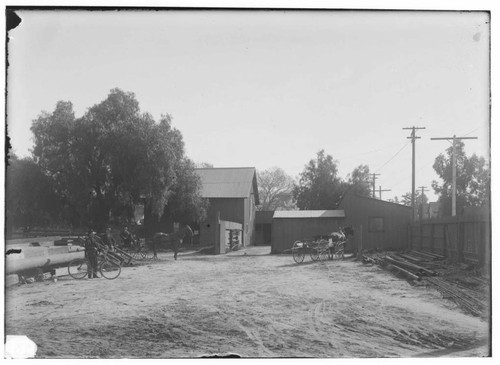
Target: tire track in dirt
(254, 335)
(316, 315)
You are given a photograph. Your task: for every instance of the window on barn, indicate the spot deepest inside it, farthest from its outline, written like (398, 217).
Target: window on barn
(375, 224)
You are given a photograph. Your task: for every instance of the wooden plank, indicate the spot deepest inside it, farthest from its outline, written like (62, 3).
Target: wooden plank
(410, 266)
(405, 272)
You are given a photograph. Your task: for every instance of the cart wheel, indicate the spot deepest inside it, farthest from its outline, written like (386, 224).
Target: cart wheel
(78, 268)
(146, 254)
(323, 256)
(298, 252)
(315, 253)
(338, 253)
(137, 255)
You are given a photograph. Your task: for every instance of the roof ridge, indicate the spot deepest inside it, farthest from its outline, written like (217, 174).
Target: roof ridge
(220, 168)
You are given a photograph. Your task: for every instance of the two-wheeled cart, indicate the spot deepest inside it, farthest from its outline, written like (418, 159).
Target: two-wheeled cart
(318, 250)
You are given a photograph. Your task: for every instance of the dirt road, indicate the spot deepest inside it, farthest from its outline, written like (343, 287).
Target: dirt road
(247, 302)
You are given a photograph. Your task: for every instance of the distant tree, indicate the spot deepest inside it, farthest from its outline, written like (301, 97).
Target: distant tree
(473, 179)
(406, 200)
(319, 187)
(394, 200)
(358, 181)
(275, 190)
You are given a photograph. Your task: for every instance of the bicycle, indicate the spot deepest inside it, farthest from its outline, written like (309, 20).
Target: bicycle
(108, 265)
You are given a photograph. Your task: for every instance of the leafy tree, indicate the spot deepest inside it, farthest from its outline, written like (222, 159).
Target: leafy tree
(472, 179)
(358, 181)
(114, 157)
(204, 165)
(185, 204)
(30, 199)
(319, 186)
(275, 190)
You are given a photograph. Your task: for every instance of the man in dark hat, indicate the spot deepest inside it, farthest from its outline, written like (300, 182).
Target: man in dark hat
(91, 250)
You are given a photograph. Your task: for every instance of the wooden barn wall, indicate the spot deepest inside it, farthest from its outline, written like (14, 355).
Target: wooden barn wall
(396, 218)
(231, 209)
(249, 220)
(285, 231)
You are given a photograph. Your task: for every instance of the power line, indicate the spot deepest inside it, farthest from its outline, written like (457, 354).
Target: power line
(392, 158)
(367, 152)
(472, 131)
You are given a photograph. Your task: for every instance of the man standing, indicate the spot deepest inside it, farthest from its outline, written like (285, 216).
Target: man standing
(91, 248)
(109, 240)
(126, 237)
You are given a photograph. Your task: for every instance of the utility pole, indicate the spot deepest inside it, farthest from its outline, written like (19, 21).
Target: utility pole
(424, 188)
(373, 183)
(453, 170)
(380, 191)
(413, 137)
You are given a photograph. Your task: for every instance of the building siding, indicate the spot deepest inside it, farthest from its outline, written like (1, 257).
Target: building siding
(227, 209)
(360, 211)
(233, 195)
(285, 231)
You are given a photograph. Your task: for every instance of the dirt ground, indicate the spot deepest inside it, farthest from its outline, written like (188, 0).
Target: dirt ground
(247, 302)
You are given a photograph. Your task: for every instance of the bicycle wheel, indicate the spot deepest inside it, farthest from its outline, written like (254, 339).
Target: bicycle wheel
(298, 252)
(110, 270)
(78, 268)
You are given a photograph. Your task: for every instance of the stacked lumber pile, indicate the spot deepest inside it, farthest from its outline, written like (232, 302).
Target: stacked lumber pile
(435, 270)
(406, 264)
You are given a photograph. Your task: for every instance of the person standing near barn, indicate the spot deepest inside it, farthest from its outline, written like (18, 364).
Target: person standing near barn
(91, 251)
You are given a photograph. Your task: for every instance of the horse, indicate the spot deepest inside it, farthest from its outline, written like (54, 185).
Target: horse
(338, 238)
(172, 241)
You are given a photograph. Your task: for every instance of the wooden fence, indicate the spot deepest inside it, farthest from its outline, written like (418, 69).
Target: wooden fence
(460, 238)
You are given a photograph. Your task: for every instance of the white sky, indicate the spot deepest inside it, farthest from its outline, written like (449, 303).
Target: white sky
(269, 88)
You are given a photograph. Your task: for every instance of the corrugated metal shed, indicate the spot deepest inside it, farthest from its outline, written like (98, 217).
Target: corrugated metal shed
(228, 182)
(309, 214)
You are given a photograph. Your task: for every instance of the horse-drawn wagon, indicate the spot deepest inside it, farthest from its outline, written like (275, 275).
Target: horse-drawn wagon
(323, 247)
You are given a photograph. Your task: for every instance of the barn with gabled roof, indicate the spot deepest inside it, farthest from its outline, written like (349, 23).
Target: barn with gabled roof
(233, 195)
